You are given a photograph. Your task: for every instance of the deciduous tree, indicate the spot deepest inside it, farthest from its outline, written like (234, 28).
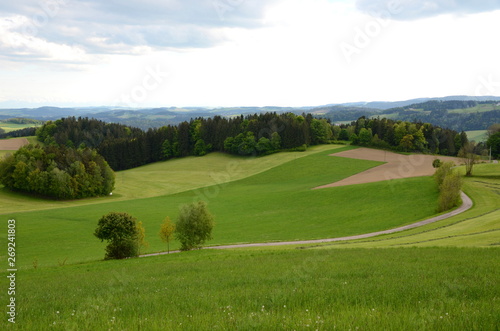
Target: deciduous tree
(469, 157)
(167, 230)
(194, 226)
(121, 232)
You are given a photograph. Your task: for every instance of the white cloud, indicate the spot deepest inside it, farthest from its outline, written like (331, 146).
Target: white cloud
(414, 9)
(280, 52)
(119, 25)
(22, 47)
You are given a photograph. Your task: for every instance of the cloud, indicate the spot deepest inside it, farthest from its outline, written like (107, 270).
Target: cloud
(125, 27)
(415, 9)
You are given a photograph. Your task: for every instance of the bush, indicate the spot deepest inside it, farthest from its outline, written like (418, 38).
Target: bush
(301, 148)
(442, 172)
(449, 183)
(449, 195)
(436, 163)
(194, 226)
(122, 233)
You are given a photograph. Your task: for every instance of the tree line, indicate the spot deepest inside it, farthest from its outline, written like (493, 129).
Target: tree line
(26, 132)
(403, 136)
(124, 147)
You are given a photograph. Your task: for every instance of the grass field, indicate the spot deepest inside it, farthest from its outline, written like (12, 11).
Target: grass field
(479, 108)
(477, 227)
(377, 289)
(165, 178)
(390, 282)
(274, 205)
(8, 127)
(477, 135)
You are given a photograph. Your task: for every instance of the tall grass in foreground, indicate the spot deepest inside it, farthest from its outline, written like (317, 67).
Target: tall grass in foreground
(376, 289)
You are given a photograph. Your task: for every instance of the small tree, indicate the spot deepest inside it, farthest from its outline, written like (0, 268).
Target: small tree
(167, 230)
(469, 157)
(194, 226)
(141, 235)
(121, 232)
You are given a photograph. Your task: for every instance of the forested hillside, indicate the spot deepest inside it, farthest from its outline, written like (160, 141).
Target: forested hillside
(454, 114)
(124, 147)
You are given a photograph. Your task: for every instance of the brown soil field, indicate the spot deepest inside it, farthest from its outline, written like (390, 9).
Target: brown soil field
(397, 166)
(12, 144)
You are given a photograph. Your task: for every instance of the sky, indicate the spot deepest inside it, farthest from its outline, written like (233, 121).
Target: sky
(227, 53)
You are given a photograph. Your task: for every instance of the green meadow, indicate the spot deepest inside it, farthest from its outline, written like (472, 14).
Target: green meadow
(477, 135)
(478, 108)
(442, 276)
(274, 205)
(8, 127)
(477, 227)
(365, 289)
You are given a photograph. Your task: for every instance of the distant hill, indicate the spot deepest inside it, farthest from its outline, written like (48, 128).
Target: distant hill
(461, 112)
(459, 115)
(394, 104)
(141, 118)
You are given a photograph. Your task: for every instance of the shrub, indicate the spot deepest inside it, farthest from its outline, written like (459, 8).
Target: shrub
(442, 171)
(449, 195)
(436, 163)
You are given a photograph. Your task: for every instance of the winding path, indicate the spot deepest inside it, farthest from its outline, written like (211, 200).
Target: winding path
(395, 166)
(466, 204)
